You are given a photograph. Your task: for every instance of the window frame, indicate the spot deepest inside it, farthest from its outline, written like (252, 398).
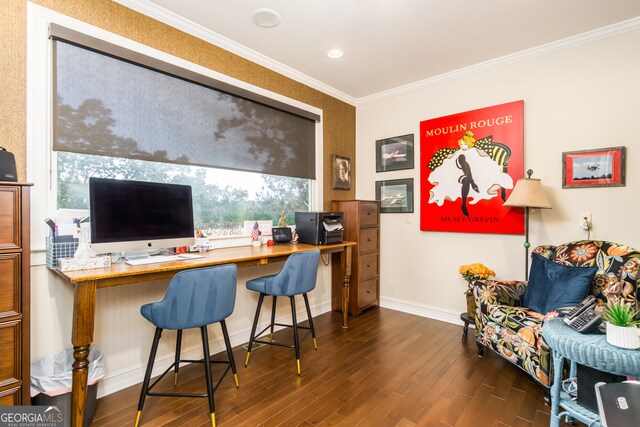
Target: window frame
(41, 160)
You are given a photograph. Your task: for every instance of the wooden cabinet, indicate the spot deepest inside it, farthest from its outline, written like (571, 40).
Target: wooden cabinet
(361, 225)
(14, 293)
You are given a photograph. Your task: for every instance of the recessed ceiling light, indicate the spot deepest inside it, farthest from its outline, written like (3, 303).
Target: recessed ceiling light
(266, 18)
(335, 53)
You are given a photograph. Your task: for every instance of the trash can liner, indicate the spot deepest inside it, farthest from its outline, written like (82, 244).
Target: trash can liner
(53, 374)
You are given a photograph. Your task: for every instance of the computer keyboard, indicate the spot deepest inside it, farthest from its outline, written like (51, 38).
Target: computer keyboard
(161, 258)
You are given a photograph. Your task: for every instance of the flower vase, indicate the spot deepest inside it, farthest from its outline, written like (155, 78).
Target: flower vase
(471, 305)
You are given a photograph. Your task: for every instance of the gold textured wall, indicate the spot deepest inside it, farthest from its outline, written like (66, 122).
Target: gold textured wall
(339, 117)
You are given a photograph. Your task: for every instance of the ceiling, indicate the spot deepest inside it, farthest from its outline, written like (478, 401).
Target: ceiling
(387, 43)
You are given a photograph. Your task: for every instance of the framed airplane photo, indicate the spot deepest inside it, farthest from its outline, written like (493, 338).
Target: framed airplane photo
(395, 195)
(603, 167)
(395, 153)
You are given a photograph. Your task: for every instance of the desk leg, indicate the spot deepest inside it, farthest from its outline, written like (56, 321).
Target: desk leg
(84, 306)
(555, 390)
(346, 273)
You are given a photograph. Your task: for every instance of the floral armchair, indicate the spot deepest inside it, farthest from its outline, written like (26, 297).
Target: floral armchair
(515, 332)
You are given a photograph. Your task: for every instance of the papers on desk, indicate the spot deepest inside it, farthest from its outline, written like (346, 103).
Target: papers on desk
(157, 258)
(619, 404)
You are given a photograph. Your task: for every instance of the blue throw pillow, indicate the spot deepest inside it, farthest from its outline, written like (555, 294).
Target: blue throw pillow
(552, 285)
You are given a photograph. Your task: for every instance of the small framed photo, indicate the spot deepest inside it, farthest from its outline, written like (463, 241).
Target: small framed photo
(594, 168)
(341, 173)
(395, 195)
(394, 153)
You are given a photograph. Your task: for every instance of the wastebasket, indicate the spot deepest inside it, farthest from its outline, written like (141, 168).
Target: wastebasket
(51, 380)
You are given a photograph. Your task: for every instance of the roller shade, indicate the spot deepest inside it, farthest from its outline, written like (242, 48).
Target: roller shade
(111, 101)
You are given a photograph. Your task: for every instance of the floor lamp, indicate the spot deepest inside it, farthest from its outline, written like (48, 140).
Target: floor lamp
(527, 194)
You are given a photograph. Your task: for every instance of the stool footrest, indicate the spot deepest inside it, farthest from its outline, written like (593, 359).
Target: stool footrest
(176, 394)
(282, 344)
(274, 343)
(149, 393)
(268, 328)
(290, 326)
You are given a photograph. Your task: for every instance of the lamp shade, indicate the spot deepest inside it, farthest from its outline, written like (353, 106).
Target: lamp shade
(528, 194)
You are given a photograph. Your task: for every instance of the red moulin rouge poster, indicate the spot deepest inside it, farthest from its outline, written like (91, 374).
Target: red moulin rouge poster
(469, 162)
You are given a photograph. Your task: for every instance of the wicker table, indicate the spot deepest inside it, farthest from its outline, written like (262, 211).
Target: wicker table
(585, 349)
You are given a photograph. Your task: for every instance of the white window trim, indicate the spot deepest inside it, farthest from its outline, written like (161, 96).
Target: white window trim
(40, 167)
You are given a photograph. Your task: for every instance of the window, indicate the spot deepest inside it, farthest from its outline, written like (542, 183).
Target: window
(222, 199)
(246, 157)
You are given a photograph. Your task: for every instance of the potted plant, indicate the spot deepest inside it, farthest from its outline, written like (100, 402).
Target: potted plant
(471, 273)
(622, 320)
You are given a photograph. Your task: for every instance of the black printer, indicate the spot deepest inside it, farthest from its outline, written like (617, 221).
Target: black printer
(319, 228)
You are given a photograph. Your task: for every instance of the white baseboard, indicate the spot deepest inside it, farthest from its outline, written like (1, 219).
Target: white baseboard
(436, 313)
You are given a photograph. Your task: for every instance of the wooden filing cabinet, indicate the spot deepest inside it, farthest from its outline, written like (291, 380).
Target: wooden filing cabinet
(14, 294)
(361, 223)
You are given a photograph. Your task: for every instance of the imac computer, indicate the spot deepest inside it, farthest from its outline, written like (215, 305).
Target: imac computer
(143, 217)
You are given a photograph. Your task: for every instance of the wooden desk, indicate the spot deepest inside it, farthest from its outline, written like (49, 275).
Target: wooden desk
(86, 282)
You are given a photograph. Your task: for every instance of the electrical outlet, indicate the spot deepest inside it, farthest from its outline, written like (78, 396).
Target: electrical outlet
(584, 221)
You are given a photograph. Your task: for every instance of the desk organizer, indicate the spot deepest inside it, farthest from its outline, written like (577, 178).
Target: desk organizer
(55, 251)
(60, 257)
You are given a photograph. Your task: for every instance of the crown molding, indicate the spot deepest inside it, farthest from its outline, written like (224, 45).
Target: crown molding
(542, 50)
(165, 16)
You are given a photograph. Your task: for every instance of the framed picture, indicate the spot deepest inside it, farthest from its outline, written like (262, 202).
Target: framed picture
(395, 195)
(395, 153)
(594, 168)
(469, 163)
(341, 173)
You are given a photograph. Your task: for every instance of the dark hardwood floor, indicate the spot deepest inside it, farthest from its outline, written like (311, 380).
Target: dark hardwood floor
(387, 369)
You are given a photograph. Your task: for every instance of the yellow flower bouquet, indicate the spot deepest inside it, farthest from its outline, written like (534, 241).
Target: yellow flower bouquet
(473, 272)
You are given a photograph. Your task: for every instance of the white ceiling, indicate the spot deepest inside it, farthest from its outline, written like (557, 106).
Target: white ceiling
(387, 43)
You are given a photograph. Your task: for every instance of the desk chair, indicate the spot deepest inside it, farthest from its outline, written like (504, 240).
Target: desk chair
(194, 299)
(297, 277)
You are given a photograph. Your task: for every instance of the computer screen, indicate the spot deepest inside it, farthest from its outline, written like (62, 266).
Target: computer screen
(139, 216)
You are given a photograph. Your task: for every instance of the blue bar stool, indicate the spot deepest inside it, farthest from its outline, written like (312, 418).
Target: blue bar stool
(297, 277)
(194, 299)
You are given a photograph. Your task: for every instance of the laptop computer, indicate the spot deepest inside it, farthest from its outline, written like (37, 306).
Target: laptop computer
(618, 403)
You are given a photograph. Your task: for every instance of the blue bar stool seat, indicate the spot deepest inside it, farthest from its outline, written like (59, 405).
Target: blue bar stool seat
(297, 277)
(194, 299)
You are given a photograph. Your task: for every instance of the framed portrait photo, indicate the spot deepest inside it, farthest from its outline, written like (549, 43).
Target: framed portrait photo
(341, 173)
(603, 167)
(394, 153)
(395, 195)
